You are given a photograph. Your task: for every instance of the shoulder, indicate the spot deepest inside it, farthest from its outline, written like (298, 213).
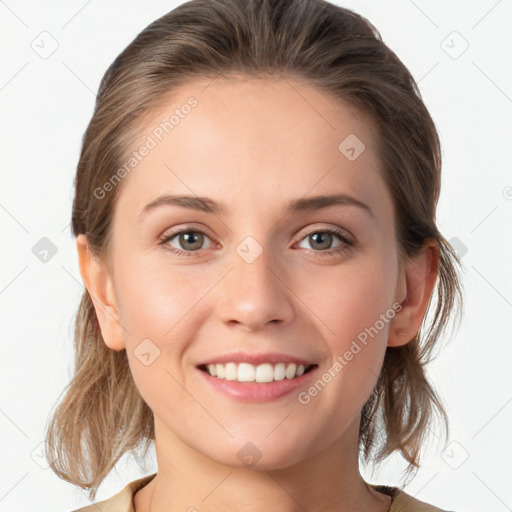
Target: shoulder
(120, 502)
(403, 502)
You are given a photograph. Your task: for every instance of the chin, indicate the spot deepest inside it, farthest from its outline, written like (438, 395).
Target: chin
(261, 455)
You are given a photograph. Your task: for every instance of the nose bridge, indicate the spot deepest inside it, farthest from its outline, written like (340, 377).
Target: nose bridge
(255, 268)
(253, 292)
(256, 262)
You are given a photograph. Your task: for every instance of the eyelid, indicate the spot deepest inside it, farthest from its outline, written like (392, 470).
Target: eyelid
(200, 228)
(337, 229)
(169, 234)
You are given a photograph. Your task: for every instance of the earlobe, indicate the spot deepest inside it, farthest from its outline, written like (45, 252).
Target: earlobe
(98, 283)
(418, 279)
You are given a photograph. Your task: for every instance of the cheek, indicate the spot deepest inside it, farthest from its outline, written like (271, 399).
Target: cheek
(156, 305)
(153, 296)
(355, 308)
(350, 299)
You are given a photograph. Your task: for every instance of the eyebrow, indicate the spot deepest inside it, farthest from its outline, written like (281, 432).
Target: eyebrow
(205, 204)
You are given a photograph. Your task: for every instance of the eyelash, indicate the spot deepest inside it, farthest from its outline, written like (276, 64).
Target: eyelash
(345, 247)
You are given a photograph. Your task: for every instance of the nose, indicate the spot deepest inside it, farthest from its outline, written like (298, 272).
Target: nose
(256, 290)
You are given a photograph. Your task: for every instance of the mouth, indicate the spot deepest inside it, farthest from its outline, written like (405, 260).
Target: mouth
(263, 383)
(262, 373)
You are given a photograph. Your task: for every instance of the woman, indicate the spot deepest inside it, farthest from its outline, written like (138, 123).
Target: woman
(260, 363)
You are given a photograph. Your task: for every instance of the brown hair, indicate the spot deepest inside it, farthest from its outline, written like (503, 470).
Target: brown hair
(102, 415)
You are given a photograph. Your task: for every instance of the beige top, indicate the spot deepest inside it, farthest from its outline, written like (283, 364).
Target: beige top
(123, 500)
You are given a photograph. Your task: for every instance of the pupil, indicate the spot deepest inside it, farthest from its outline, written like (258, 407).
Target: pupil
(322, 237)
(186, 237)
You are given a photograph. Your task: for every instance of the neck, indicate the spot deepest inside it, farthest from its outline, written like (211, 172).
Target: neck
(329, 480)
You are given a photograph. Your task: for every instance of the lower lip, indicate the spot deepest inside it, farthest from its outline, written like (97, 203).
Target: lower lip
(257, 391)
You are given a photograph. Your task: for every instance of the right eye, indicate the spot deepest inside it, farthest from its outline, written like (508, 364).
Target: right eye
(189, 239)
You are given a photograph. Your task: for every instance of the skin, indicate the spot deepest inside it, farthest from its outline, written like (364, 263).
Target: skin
(254, 145)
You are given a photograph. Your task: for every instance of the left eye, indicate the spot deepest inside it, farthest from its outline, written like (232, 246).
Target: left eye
(324, 238)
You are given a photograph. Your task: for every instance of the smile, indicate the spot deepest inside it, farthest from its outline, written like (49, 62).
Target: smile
(246, 372)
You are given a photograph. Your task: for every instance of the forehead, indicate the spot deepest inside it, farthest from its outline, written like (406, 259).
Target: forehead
(245, 140)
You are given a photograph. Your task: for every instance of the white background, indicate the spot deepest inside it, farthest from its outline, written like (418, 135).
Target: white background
(46, 104)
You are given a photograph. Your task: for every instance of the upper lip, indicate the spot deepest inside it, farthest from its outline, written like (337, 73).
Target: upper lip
(256, 359)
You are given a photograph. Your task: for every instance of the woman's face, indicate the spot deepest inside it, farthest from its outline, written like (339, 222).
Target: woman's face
(254, 276)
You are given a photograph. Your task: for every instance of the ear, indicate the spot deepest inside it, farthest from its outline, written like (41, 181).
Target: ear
(99, 284)
(415, 285)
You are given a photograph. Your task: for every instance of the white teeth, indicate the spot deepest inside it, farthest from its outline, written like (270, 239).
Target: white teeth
(266, 372)
(290, 371)
(220, 370)
(246, 373)
(230, 371)
(279, 371)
